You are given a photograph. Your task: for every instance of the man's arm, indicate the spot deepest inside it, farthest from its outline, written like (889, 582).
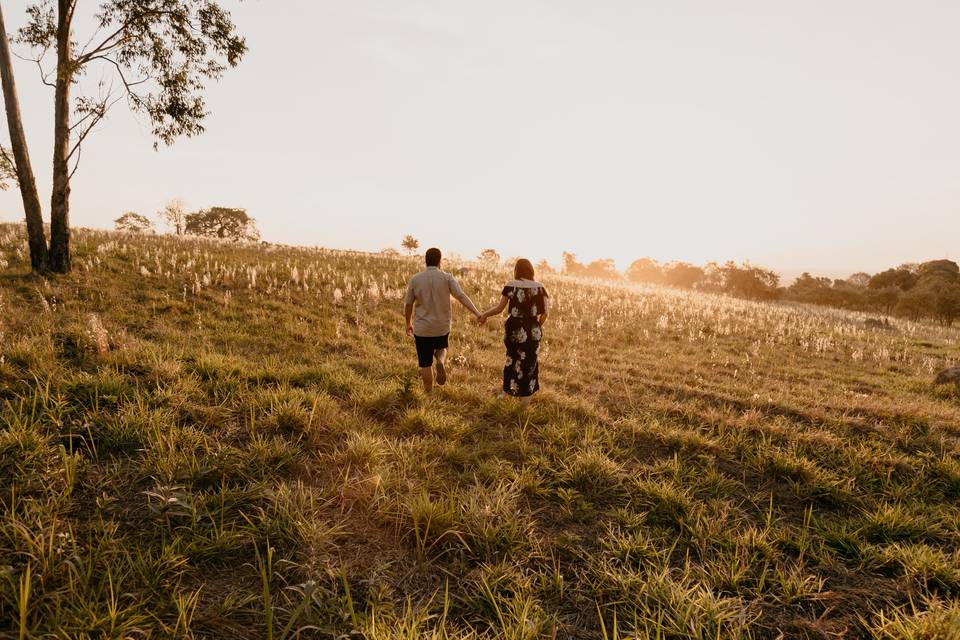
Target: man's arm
(461, 297)
(408, 300)
(408, 316)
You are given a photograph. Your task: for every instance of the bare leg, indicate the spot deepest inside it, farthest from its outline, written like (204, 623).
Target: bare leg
(441, 355)
(525, 401)
(426, 374)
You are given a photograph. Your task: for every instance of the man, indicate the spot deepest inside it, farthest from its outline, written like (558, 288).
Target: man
(429, 294)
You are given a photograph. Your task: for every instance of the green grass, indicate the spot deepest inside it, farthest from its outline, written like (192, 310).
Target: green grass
(204, 440)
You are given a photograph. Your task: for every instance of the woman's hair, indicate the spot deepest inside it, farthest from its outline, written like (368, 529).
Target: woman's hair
(523, 270)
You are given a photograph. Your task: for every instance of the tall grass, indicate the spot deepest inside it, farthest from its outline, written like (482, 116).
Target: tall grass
(202, 439)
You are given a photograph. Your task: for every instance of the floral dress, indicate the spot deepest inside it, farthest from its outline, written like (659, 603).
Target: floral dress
(522, 335)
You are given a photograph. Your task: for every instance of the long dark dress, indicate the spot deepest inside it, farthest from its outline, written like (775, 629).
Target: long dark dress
(522, 336)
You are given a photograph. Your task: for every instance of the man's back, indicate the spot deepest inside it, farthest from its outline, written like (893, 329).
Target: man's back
(431, 289)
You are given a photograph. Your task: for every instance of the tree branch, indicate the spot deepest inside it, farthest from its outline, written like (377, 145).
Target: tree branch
(106, 46)
(95, 115)
(127, 84)
(39, 62)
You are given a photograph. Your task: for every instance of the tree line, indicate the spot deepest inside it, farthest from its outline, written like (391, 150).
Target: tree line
(226, 223)
(928, 290)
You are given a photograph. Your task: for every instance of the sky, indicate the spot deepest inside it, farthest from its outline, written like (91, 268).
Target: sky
(814, 135)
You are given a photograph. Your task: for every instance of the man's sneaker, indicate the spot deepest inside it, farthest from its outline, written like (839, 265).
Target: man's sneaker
(441, 373)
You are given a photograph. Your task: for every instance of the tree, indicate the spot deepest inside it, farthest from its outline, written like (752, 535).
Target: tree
(860, 279)
(133, 223)
(916, 303)
(570, 265)
(885, 299)
(544, 267)
(644, 270)
(946, 303)
(901, 277)
(748, 281)
(604, 269)
(161, 52)
(410, 243)
(683, 275)
(36, 237)
(174, 214)
(222, 222)
(489, 257)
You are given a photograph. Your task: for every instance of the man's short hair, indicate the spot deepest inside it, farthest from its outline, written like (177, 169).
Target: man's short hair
(433, 257)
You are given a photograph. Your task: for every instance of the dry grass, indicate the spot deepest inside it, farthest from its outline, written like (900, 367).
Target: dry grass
(207, 440)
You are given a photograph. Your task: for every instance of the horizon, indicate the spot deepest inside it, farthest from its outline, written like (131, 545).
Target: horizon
(564, 122)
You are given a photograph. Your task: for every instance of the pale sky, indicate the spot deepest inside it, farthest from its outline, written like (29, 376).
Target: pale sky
(820, 135)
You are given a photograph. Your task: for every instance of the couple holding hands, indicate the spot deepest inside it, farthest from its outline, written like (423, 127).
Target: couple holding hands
(427, 309)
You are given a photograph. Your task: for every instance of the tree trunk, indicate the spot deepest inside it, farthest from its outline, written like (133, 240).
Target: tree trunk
(60, 198)
(39, 259)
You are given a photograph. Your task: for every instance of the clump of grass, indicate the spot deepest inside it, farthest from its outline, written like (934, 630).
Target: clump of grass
(429, 421)
(663, 503)
(494, 526)
(931, 619)
(593, 474)
(894, 522)
(927, 567)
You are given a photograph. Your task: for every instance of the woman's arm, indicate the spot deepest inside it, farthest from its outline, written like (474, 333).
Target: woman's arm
(542, 318)
(495, 310)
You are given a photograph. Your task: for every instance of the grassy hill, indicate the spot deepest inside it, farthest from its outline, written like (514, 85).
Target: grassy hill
(202, 440)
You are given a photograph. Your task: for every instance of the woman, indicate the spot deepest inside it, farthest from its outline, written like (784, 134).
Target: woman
(528, 304)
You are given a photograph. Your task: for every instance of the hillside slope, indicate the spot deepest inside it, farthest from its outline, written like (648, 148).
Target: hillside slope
(203, 440)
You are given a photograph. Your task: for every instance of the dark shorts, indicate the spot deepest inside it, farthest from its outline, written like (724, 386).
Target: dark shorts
(426, 347)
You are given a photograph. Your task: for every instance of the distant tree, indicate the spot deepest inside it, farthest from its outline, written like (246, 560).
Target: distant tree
(683, 275)
(748, 281)
(161, 54)
(848, 296)
(938, 281)
(713, 278)
(811, 290)
(916, 303)
(410, 243)
(222, 222)
(946, 270)
(884, 299)
(133, 223)
(570, 265)
(902, 278)
(946, 303)
(860, 279)
(603, 269)
(544, 267)
(644, 270)
(489, 257)
(174, 215)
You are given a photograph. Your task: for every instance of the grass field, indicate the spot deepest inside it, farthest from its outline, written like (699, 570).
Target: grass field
(202, 440)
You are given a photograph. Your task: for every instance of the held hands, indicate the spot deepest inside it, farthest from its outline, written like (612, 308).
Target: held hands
(481, 319)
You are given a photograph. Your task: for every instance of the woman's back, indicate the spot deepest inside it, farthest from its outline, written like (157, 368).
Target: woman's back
(527, 298)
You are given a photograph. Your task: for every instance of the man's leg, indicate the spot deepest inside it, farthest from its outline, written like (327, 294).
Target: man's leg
(426, 375)
(441, 355)
(425, 360)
